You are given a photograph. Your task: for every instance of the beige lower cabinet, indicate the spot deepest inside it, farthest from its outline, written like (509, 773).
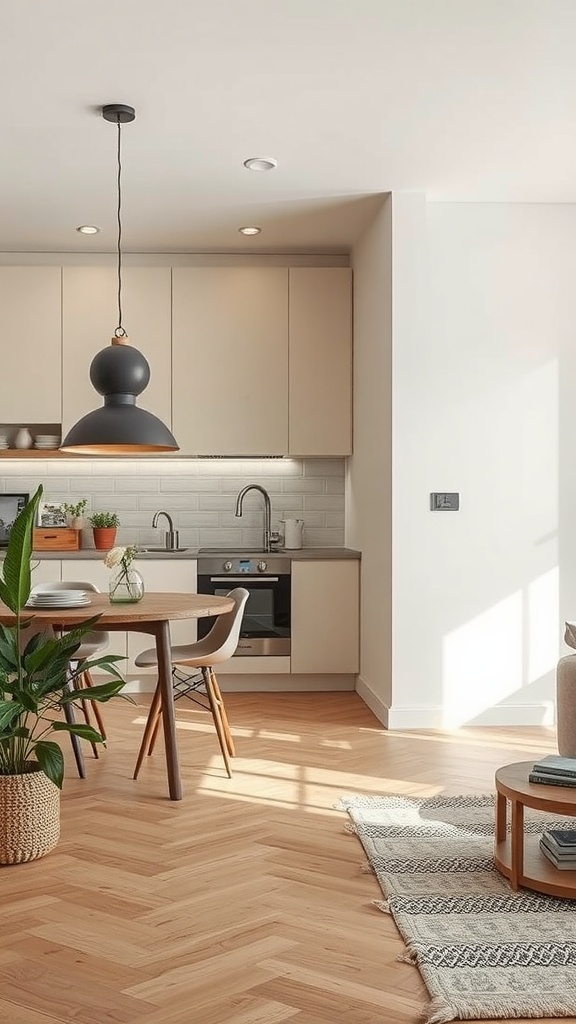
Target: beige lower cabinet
(325, 616)
(87, 570)
(160, 575)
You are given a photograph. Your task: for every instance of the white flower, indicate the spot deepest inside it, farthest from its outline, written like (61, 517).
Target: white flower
(114, 557)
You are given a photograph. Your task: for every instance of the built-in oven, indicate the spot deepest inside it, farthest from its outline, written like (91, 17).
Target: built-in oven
(266, 622)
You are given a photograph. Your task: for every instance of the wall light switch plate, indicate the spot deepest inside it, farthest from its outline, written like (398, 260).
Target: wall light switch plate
(444, 501)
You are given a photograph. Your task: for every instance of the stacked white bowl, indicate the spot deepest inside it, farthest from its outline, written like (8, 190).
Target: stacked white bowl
(47, 441)
(3, 441)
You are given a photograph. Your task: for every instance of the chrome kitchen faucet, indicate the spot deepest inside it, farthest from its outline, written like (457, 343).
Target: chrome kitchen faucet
(267, 511)
(171, 536)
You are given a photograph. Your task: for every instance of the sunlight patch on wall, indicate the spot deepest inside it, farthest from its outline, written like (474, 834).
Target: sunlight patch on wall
(483, 661)
(543, 624)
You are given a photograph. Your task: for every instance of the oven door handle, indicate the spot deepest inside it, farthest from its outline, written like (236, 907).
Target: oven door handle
(244, 579)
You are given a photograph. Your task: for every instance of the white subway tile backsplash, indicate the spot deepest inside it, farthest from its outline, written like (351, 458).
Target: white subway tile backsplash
(304, 485)
(324, 467)
(199, 519)
(199, 494)
(326, 502)
(83, 485)
(138, 484)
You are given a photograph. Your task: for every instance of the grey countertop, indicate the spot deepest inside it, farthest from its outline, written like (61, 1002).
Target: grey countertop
(302, 554)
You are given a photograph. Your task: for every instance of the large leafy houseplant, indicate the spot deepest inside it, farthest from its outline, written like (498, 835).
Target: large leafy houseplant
(37, 673)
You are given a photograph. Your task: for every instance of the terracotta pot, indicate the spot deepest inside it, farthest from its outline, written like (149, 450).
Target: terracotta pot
(104, 537)
(29, 816)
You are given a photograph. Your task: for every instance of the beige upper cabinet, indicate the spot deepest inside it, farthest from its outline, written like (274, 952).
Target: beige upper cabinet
(320, 376)
(90, 317)
(325, 616)
(31, 331)
(230, 350)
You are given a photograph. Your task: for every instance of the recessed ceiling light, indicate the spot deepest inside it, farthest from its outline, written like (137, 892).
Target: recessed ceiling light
(88, 229)
(261, 163)
(249, 231)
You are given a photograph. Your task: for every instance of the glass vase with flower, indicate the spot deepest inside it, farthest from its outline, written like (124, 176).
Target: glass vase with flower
(126, 584)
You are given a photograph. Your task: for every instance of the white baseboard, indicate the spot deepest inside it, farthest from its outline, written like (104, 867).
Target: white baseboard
(430, 716)
(376, 705)
(436, 717)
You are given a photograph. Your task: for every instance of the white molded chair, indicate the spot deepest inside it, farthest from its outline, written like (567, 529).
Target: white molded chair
(218, 646)
(93, 643)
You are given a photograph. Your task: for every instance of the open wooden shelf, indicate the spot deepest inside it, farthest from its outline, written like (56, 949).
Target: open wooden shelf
(35, 453)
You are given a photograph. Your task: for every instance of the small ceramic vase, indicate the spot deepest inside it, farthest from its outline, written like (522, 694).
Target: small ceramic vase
(23, 438)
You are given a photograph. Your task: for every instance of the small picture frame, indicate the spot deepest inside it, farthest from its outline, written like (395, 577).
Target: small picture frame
(10, 507)
(51, 514)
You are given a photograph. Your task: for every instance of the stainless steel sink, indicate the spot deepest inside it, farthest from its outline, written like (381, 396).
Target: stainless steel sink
(164, 551)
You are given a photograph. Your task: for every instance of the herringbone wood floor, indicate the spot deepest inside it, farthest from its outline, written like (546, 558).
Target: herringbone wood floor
(245, 903)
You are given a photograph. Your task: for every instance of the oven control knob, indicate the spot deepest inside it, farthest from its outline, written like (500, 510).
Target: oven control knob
(227, 566)
(262, 566)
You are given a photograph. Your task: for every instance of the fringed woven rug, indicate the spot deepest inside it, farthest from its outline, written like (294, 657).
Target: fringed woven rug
(483, 950)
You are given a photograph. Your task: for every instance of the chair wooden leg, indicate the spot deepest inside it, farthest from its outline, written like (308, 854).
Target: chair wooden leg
(88, 681)
(155, 730)
(153, 715)
(79, 685)
(215, 709)
(224, 716)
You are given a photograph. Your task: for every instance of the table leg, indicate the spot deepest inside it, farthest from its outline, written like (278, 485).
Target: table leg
(75, 740)
(517, 844)
(168, 719)
(500, 817)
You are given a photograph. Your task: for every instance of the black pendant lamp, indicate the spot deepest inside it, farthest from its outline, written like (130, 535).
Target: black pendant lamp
(119, 373)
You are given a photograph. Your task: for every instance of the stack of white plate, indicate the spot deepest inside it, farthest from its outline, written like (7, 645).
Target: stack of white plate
(47, 441)
(58, 599)
(3, 441)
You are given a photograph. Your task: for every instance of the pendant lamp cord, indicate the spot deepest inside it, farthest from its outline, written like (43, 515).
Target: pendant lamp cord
(119, 332)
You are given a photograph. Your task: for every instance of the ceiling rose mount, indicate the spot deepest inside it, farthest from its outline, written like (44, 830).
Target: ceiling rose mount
(118, 113)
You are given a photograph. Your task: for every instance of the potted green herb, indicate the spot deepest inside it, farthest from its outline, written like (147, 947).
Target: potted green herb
(37, 676)
(104, 526)
(75, 514)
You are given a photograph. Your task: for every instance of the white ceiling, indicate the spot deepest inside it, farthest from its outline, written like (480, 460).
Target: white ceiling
(463, 99)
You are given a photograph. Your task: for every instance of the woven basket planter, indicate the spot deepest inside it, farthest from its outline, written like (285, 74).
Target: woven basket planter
(29, 816)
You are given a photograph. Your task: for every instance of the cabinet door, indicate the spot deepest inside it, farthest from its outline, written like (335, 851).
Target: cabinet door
(46, 570)
(31, 332)
(325, 616)
(90, 316)
(320, 347)
(86, 570)
(160, 576)
(230, 336)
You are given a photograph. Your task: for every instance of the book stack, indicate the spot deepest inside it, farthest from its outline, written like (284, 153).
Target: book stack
(559, 846)
(554, 771)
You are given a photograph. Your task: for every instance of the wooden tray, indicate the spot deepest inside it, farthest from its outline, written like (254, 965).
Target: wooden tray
(56, 539)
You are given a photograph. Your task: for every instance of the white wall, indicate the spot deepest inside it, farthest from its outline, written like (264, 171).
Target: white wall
(484, 404)
(369, 483)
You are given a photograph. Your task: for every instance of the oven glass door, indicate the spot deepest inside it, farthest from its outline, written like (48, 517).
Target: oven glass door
(267, 610)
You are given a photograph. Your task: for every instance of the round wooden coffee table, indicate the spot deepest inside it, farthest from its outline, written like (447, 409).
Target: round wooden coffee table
(518, 856)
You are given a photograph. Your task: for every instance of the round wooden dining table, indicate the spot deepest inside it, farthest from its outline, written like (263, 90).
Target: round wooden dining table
(152, 615)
